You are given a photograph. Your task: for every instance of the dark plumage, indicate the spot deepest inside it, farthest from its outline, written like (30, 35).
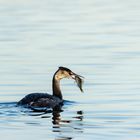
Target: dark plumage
(47, 100)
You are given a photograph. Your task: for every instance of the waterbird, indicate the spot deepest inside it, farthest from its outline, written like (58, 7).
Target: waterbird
(56, 99)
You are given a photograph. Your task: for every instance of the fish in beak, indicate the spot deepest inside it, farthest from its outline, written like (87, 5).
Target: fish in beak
(69, 74)
(78, 79)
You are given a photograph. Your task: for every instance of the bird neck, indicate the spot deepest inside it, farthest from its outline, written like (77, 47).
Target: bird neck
(56, 87)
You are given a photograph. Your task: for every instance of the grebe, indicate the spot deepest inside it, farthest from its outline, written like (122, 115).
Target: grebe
(51, 101)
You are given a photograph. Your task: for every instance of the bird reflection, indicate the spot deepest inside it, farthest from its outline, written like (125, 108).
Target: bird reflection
(63, 126)
(64, 138)
(56, 115)
(56, 119)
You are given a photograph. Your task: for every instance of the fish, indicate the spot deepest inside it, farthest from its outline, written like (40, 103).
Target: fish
(79, 81)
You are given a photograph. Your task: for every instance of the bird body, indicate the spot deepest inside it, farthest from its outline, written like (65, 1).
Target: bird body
(40, 100)
(47, 100)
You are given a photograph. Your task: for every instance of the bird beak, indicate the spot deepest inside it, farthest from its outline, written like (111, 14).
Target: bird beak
(74, 75)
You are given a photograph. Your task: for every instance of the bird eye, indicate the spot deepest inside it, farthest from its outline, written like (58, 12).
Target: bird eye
(70, 73)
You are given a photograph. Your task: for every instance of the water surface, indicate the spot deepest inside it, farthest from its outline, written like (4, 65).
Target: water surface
(97, 39)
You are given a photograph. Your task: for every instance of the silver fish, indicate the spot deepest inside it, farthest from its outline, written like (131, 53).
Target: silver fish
(79, 81)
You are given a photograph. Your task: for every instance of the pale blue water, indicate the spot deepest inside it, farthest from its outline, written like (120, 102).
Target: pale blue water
(97, 39)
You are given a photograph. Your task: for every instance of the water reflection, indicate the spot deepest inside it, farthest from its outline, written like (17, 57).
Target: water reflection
(56, 118)
(93, 37)
(64, 138)
(64, 126)
(67, 126)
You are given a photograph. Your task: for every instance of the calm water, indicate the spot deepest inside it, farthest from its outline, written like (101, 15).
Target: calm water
(97, 39)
